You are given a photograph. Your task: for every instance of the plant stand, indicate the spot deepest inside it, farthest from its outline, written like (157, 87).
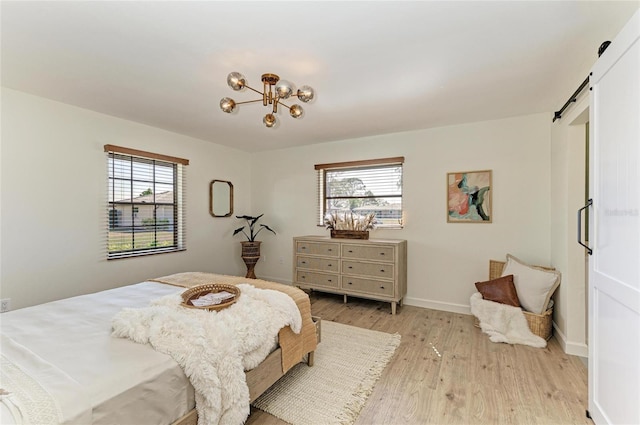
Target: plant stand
(250, 256)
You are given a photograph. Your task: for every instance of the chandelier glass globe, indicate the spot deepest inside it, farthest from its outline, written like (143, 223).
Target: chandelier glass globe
(236, 81)
(269, 120)
(296, 111)
(306, 94)
(284, 89)
(227, 104)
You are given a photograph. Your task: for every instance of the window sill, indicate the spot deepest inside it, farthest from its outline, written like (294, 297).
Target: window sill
(121, 255)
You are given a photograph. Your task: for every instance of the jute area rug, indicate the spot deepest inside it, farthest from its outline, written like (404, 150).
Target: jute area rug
(348, 362)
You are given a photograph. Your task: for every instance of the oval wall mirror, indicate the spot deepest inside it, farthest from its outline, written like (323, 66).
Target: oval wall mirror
(220, 198)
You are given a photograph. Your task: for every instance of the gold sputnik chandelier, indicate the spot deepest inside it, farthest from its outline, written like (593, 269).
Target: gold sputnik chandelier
(274, 90)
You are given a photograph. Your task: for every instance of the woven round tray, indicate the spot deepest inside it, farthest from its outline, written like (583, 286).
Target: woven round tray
(200, 290)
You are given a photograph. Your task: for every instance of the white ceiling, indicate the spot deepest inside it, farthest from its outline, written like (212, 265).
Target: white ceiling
(377, 67)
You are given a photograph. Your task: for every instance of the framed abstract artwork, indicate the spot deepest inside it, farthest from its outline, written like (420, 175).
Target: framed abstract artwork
(469, 197)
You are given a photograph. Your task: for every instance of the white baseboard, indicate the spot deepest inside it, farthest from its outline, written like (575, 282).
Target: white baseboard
(438, 305)
(569, 347)
(572, 348)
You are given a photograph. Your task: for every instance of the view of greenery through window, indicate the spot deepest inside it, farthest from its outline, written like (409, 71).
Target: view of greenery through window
(365, 190)
(142, 205)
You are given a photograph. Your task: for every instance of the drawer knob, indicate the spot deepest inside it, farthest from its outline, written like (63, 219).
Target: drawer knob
(330, 250)
(304, 247)
(303, 277)
(382, 271)
(382, 287)
(350, 283)
(382, 253)
(303, 262)
(329, 280)
(329, 265)
(350, 267)
(350, 251)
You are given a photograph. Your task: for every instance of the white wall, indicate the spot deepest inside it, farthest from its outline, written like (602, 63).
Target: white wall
(444, 259)
(53, 197)
(568, 174)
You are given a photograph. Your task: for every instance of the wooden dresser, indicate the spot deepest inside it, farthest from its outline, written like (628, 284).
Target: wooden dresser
(374, 268)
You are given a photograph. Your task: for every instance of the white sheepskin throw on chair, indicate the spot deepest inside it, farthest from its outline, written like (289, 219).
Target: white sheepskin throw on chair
(214, 348)
(504, 323)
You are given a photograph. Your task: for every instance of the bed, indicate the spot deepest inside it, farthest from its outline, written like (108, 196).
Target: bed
(97, 378)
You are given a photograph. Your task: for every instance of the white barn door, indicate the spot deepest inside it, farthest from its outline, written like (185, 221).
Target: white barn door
(614, 267)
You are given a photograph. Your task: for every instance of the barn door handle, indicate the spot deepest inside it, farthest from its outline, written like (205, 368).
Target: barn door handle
(589, 203)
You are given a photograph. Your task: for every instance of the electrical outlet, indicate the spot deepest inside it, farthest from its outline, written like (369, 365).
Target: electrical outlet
(5, 305)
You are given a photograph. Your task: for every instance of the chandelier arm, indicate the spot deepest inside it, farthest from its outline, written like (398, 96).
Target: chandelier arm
(248, 101)
(252, 89)
(280, 102)
(260, 100)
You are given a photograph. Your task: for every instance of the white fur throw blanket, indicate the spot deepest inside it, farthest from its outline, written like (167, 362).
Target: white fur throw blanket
(214, 348)
(504, 323)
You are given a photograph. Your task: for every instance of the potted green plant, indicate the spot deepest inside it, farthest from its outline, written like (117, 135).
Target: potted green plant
(251, 247)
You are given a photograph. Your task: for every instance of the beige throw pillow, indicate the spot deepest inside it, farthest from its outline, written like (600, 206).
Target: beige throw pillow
(535, 285)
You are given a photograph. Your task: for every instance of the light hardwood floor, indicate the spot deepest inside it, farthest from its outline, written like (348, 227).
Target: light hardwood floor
(446, 371)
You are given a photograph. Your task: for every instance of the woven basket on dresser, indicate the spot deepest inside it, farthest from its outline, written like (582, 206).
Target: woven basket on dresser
(540, 324)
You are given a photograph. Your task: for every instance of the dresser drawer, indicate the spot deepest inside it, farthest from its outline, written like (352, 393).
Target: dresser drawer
(375, 269)
(369, 286)
(383, 270)
(317, 263)
(364, 252)
(319, 279)
(318, 248)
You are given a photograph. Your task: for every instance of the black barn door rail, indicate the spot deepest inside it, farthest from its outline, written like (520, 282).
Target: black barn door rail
(558, 114)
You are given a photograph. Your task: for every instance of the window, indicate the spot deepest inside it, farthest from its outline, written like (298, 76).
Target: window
(362, 187)
(145, 207)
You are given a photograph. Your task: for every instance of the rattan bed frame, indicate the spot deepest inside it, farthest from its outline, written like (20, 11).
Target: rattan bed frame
(260, 378)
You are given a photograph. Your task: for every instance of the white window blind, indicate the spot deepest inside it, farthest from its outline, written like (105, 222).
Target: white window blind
(362, 187)
(146, 203)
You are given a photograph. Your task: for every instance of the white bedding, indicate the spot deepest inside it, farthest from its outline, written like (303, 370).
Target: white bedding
(214, 348)
(36, 392)
(117, 375)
